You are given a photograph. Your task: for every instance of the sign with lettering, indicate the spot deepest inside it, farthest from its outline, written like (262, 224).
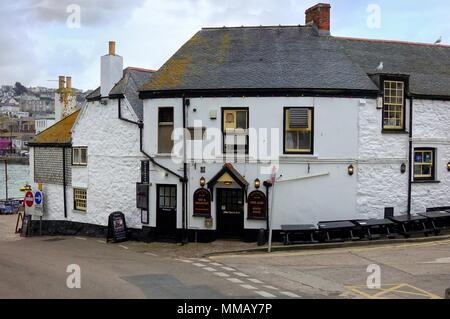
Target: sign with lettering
(117, 227)
(202, 203)
(257, 205)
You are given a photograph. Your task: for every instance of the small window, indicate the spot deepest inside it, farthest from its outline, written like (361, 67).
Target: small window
(235, 126)
(394, 105)
(80, 199)
(298, 132)
(79, 156)
(165, 130)
(424, 164)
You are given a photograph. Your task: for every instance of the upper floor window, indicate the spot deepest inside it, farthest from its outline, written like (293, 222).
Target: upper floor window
(394, 105)
(79, 156)
(298, 130)
(424, 164)
(165, 130)
(235, 130)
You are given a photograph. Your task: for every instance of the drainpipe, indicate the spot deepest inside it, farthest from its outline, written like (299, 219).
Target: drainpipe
(186, 103)
(411, 103)
(119, 107)
(64, 181)
(268, 185)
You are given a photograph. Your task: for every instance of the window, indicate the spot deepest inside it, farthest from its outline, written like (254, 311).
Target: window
(298, 130)
(80, 199)
(79, 156)
(394, 105)
(167, 197)
(235, 130)
(424, 164)
(165, 130)
(196, 133)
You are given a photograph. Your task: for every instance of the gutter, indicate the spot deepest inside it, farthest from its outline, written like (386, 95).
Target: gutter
(186, 103)
(410, 156)
(119, 108)
(64, 182)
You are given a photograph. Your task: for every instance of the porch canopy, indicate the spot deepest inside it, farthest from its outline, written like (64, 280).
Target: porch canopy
(226, 176)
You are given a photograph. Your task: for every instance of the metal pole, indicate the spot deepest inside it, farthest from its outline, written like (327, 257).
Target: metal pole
(6, 179)
(271, 219)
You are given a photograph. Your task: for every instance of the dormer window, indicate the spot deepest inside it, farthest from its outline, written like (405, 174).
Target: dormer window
(394, 105)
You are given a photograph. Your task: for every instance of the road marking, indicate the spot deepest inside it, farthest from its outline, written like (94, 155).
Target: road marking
(209, 269)
(216, 264)
(289, 294)
(249, 287)
(151, 254)
(235, 280)
(256, 281)
(101, 241)
(186, 261)
(79, 238)
(199, 265)
(228, 269)
(438, 261)
(221, 274)
(240, 274)
(204, 260)
(124, 247)
(395, 288)
(265, 294)
(271, 287)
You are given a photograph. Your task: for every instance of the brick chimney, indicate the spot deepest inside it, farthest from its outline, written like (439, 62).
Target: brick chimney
(319, 15)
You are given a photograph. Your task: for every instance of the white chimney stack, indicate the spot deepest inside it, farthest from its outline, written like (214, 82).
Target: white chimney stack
(111, 70)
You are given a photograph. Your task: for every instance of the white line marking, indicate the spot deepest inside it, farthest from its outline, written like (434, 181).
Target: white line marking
(101, 241)
(256, 281)
(228, 269)
(221, 274)
(79, 238)
(186, 261)
(216, 264)
(124, 247)
(151, 254)
(289, 294)
(271, 287)
(199, 265)
(209, 269)
(204, 260)
(250, 287)
(235, 280)
(240, 274)
(265, 294)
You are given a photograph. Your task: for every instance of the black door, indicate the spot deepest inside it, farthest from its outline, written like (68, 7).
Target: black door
(166, 215)
(230, 213)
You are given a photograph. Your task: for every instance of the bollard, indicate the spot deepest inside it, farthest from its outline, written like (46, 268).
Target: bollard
(447, 294)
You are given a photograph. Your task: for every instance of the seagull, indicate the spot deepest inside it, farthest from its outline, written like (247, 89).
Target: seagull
(380, 67)
(438, 41)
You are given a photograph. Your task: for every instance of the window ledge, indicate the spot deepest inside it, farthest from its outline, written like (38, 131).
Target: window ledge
(426, 182)
(302, 156)
(79, 211)
(400, 132)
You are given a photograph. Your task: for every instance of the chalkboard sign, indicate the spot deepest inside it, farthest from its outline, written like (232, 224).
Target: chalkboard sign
(26, 226)
(142, 192)
(202, 203)
(257, 205)
(117, 228)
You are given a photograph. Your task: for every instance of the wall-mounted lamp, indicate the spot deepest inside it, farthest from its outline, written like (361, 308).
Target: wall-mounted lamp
(351, 170)
(202, 182)
(403, 168)
(257, 183)
(448, 166)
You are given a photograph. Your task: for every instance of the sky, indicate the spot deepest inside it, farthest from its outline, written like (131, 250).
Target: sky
(41, 39)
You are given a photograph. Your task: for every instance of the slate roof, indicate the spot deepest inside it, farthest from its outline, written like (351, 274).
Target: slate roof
(128, 86)
(57, 134)
(94, 95)
(296, 57)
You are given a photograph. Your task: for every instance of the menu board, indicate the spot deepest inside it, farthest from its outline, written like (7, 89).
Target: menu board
(202, 203)
(117, 228)
(257, 205)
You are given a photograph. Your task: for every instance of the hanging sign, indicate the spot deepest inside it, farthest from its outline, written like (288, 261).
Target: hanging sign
(117, 228)
(202, 203)
(257, 205)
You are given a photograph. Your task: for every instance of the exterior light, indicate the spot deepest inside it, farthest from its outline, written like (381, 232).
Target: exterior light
(351, 170)
(403, 168)
(202, 182)
(257, 183)
(448, 166)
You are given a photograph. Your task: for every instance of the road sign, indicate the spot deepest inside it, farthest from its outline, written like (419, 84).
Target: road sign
(38, 198)
(39, 206)
(29, 199)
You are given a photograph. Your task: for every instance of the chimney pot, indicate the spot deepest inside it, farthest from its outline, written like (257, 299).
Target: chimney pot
(62, 82)
(112, 48)
(68, 82)
(319, 15)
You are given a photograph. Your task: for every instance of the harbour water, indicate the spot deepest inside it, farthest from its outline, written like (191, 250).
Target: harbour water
(18, 175)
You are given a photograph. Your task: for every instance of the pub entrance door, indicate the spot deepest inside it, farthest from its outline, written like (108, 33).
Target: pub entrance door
(166, 212)
(230, 213)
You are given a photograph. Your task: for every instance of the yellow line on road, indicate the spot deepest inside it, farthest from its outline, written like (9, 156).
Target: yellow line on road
(393, 288)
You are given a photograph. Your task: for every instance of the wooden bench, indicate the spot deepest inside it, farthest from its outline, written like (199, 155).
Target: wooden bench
(377, 228)
(415, 224)
(345, 229)
(305, 231)
(440, 220)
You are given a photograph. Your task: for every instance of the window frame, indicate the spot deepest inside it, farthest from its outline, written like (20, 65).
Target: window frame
(162, 124)
(405, 82)
(423, 178)
(297, 152)
(235, 109)
(75, 206)
(80, 163)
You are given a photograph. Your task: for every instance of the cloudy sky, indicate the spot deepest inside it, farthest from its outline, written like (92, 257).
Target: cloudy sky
(41, 39)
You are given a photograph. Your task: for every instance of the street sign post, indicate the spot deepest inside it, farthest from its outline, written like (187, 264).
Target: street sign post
(38, 204)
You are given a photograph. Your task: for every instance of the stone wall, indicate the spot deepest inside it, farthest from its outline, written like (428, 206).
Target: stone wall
(48, 165)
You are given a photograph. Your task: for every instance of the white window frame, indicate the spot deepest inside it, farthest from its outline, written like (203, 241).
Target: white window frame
(77, 156)
(80, 199)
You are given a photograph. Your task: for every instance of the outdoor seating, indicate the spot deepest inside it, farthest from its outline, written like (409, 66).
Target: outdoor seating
(296, 234)
(440, 220)
(377, 228)
(415, 224)
(337, 231)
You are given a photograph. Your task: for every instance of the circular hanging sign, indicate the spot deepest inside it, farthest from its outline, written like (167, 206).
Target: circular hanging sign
(29, 199)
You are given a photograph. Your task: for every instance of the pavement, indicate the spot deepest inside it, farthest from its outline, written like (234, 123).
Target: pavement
(37, 267)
